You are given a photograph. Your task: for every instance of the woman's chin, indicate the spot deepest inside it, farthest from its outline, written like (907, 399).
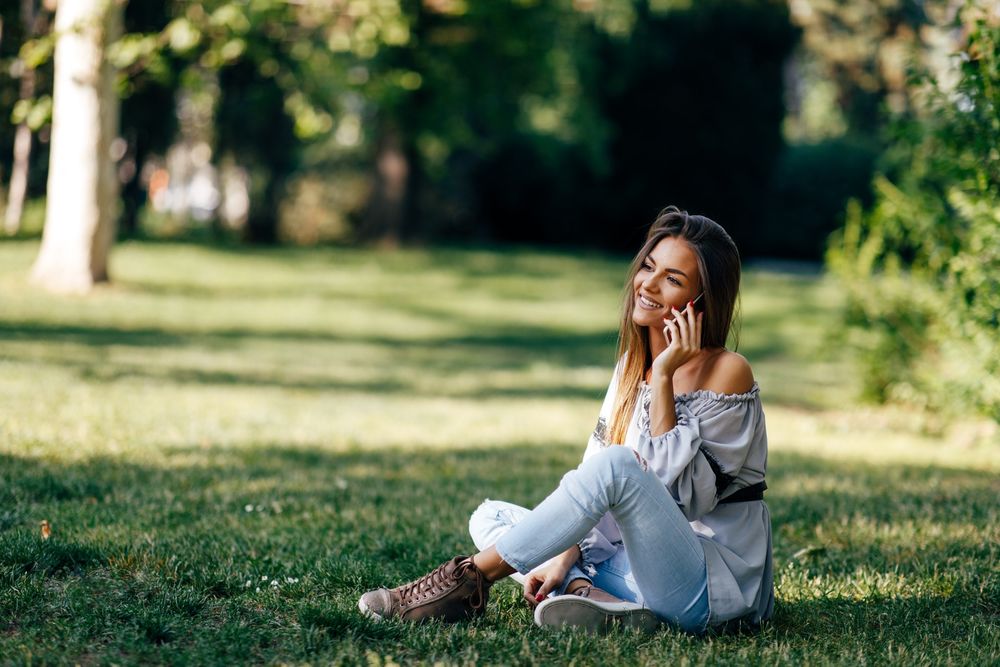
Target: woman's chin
(647, 319)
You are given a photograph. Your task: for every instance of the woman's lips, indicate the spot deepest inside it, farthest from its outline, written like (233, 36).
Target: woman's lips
(648, 304)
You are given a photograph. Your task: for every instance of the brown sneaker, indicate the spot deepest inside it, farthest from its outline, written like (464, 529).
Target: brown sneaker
(595, 610)
(454, 591)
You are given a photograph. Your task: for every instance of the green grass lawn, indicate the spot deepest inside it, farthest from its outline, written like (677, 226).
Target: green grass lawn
(231, 446)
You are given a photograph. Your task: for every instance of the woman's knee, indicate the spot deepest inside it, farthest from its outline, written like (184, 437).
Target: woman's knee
(480, 520)
(490, 520)
(601, 477)
(618, 459)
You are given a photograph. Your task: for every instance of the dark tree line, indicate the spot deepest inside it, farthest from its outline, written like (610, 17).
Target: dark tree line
(557, 122)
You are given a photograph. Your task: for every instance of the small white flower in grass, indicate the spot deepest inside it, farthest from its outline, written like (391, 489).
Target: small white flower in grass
(248, 508)
(264, 578)
(274, 583)
(340, 483)
(291, 580)
(257, 590)
(247, 585)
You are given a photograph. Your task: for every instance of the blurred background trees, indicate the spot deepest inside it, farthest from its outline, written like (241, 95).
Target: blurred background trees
(566, 122)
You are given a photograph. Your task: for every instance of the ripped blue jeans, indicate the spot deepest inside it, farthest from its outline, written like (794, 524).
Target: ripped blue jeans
(661, 564)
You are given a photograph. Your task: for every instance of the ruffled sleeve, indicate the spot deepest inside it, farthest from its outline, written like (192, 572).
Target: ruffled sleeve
(699, 458)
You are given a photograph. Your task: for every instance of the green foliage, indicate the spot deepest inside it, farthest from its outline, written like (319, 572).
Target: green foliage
(922, 266)
(25, 50)
(525, 121)
(36, 52)
(549, 122)
(35, 112)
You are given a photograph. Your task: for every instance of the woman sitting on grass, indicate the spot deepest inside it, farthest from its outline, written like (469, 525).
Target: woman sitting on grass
(664, 519)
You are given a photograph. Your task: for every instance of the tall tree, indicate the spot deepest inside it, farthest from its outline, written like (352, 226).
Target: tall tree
(31, 112)
(82, 187)
(22, 139)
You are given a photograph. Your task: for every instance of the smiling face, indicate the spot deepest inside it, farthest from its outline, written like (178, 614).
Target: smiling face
(668, 276)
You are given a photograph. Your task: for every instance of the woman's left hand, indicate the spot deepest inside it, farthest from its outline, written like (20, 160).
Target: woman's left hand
(541, 582)
(683, 334)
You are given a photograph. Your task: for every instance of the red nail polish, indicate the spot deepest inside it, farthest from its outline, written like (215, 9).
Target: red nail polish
(539, 597)
(690, 303)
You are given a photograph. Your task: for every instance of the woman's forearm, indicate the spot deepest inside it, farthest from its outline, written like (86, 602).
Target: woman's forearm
(570, 556)
(662, 413)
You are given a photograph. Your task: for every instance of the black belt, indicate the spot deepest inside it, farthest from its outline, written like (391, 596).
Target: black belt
(746, 494)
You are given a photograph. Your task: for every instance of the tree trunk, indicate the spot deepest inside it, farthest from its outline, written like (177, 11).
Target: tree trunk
(3, 204)
(22, 138)
(22, 160)
(383, 219)
(82, 194)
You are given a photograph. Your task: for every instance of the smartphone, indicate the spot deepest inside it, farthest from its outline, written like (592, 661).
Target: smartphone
(694, 301)
(681, 311)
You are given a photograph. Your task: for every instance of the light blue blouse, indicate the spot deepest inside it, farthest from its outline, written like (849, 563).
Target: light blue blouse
(718, 446)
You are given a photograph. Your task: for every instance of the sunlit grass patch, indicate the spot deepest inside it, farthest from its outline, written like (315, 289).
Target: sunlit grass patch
(230, 447)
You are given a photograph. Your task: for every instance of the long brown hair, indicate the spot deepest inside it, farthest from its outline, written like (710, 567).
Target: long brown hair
(719, 270)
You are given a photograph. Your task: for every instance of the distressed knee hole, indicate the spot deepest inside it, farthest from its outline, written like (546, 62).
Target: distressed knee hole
(505, 516)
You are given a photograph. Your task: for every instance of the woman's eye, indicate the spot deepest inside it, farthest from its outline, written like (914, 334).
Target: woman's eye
(646, 266)
(675, 281)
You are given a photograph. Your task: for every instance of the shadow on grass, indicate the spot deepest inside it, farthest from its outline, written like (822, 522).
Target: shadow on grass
(481, 345)
(472, 260)
(504, 350)
(414, 503)
(575, 349)
(182, 554)
(508, 348)
(851, 515)
(961, 616)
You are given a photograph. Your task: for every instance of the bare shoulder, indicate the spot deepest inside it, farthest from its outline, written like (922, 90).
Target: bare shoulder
(729, 373)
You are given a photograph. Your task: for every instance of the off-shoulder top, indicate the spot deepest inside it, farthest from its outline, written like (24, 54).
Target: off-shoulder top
(718, 446)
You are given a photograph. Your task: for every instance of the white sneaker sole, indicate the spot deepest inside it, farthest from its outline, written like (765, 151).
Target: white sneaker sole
(572, 610)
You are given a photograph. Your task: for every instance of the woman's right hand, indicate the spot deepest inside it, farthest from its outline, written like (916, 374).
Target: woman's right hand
(683, 335)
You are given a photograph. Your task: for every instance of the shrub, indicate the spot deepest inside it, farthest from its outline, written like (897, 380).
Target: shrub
(922, 266)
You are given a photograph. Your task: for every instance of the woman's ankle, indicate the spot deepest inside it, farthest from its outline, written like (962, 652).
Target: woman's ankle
(489, 563)
(577, 584)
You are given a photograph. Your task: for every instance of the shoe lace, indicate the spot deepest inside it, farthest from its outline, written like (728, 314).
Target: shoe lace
(478, 597)
(438, 580)
(431, 582)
